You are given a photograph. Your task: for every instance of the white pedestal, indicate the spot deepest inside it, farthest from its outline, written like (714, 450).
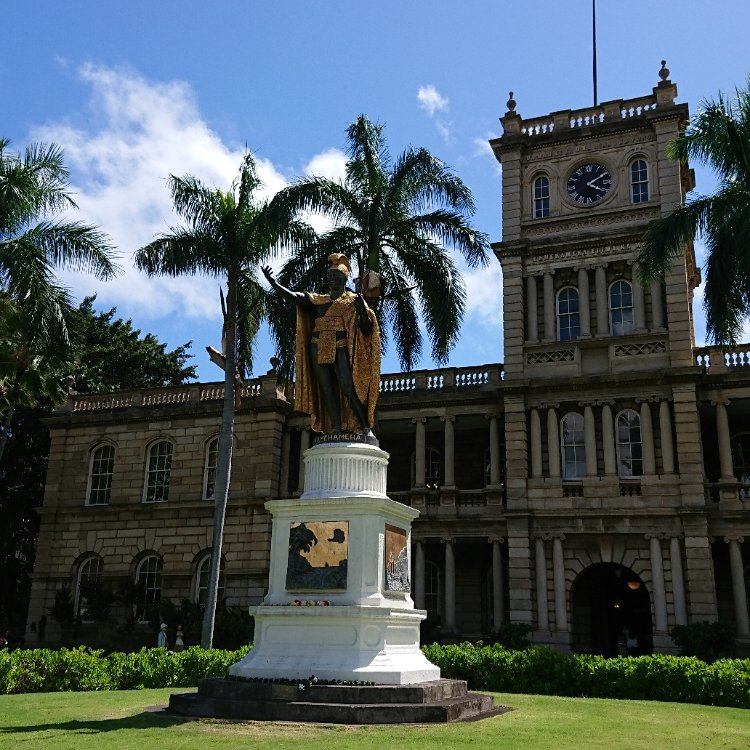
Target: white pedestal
(361, 628)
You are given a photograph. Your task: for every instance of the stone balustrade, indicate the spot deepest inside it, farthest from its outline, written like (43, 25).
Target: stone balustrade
(464, 378)
(723, 359)
(479, 376)
(569, 119)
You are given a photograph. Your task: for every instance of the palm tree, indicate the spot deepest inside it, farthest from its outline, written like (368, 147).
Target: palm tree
(718, 135)
(37, 311)
(228, 235)
(34, 350)
(395, 219)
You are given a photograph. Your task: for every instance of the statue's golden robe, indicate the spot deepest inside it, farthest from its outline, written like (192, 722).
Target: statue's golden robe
(364, 359)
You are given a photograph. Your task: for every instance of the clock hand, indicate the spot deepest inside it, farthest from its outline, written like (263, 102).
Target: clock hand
(597, 187)
(591, 184)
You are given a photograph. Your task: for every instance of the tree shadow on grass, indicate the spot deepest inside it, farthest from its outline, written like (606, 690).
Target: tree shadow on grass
(156, 718)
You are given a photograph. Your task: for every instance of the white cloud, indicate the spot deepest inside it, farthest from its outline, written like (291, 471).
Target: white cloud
(330, 164)
(431, 100)
(144, 132)
(484, 298)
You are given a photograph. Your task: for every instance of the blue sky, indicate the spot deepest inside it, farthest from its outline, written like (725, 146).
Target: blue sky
(138, 90)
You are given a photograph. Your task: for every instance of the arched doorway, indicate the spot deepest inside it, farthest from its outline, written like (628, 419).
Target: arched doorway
(608, 602)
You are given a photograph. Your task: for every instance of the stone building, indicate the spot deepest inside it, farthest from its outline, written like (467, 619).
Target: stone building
(598, 479)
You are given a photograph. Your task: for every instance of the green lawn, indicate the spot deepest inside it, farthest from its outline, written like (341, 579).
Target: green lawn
(127, 720)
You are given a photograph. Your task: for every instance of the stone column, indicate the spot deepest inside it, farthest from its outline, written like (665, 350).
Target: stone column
(419, 451)
(494, 451)
(419, 574)
(667, 441)
(589, 439)
(724, 439)
(449, 452)
(584, 313)
(608, 441)
(639, 306)
(304, 444)
(657, 304)
(678, 581)
(450, 586)
(558, 568)
(286, 439)
(532, 324)
(549, 308)
(602, 306)
(657, 574)
(739, 591)
(541, 585)
(553, 443)
(536, 444)
(498, 588)
(647, 440)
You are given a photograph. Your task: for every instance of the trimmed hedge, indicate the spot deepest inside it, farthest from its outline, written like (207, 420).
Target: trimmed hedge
(45, 670)
(684, 679)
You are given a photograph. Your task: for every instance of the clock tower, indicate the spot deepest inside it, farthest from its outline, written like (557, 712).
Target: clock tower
(601, 415)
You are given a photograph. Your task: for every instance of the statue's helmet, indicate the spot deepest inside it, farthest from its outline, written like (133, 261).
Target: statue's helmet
(339, 262)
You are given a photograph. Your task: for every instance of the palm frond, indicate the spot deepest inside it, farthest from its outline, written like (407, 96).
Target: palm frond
(183, 252)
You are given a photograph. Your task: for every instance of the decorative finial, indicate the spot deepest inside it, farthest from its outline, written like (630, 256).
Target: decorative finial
(664, 72)
(511, 103)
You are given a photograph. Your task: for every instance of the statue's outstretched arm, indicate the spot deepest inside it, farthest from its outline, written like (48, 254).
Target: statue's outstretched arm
(363, 319)
(282, 290)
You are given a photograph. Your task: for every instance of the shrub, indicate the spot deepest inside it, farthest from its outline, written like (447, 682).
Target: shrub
(47, 670)
(545, 671)
(513, 635)
(706, 640)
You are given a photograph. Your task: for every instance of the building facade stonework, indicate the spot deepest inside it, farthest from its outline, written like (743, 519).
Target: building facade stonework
(595, 483)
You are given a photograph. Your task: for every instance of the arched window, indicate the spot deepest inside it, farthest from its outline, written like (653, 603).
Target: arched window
(89, 574)
(209, 468)
(638, 181)
(568, 317)
(202, 580)
(101, 468)
(621, 308)
(629, 446)
(432, 583)
(433, 466)
(741, 457)
(541, 197)
(148, 579)
(158, 468)
(573, 446)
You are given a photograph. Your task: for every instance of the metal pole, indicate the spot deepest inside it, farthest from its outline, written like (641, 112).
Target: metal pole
(593, 16)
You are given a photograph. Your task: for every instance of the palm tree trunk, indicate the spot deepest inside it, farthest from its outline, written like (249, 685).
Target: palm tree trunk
(223, 471)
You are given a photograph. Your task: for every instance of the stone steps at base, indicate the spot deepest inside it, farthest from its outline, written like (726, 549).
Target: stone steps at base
(423, 692)
(439, 701)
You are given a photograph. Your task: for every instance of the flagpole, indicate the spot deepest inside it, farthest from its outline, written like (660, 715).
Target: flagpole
(593, 16)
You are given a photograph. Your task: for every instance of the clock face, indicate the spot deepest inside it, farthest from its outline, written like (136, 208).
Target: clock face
(589, 183)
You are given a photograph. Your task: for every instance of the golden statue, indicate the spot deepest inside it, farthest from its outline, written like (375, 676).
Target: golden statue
(338, 354)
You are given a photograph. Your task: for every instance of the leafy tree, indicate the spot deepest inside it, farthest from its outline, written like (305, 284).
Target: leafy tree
(112, 355)
(36, 311)
(397, 219)
(228, 235)
(719, 135)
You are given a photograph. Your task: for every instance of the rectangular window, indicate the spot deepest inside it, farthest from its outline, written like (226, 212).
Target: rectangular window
(100, 475)
(158, 471)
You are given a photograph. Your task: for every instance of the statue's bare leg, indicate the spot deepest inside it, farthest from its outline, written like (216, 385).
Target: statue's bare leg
(326, 378)
(346, 383)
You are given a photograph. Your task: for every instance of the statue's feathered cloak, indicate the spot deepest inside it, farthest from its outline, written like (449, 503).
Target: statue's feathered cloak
(364, 359)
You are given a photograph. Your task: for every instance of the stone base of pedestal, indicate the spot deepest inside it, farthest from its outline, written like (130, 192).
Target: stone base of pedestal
(355, 643)
(436, 701)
